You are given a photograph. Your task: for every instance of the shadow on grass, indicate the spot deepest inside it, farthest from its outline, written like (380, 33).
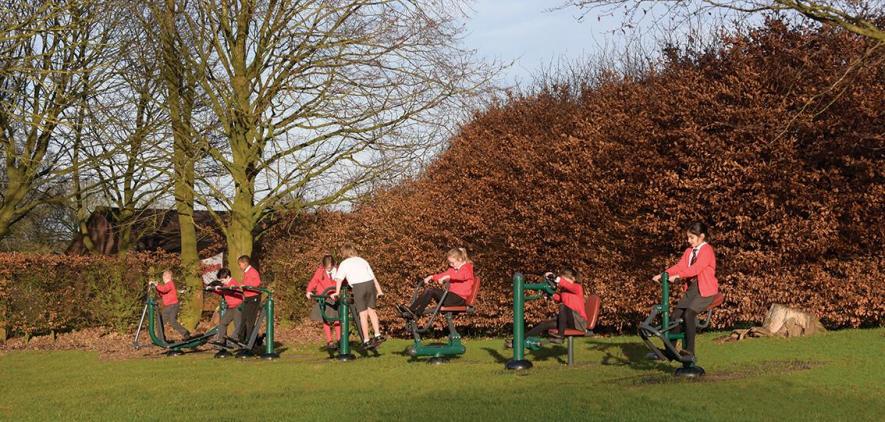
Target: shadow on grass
(632, 355)
(543, 354)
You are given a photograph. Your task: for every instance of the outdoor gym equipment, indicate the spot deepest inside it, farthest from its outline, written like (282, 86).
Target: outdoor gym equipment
(663, 331)
(266, 314)
(159, 338)
(346, 314)
(439, 353)
(545, 289)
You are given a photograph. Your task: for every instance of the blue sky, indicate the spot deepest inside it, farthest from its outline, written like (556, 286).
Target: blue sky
(526, 32)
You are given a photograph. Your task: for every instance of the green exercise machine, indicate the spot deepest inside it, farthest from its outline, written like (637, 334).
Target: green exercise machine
(662, 329)
(347, 314)
(440, 353)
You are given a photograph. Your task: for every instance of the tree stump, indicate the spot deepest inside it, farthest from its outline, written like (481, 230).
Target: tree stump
(781, 321)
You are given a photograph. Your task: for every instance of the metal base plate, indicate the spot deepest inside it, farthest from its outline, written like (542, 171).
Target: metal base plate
(518, 364)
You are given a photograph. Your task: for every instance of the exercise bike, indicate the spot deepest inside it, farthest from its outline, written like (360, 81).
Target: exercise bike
(439, 353)
(663, 331)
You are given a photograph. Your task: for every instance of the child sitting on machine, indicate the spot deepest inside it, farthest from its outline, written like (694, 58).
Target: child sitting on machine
(169, 297)
(460, 277)
(322, 280)
(228, 288)
(572, 313)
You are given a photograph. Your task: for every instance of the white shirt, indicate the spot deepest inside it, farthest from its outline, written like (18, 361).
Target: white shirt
(695, 252)
(355, 270)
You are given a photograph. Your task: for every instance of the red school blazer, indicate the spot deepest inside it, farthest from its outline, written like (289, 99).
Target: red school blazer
(704, 269)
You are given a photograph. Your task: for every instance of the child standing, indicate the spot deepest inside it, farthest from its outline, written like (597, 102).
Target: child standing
(251, 300)
(322, 280)
(233, 299)
(169, 297)
(698, 267)
(366, 291)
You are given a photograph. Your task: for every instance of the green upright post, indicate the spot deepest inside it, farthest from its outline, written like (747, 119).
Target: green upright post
(518, 361)
(344, 316)
(269, 352)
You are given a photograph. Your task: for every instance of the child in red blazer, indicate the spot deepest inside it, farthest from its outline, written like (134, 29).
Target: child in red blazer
(169, 297)
(233, 298)
(460, 277)
(698, 267)
(572, 312)
(323, 279)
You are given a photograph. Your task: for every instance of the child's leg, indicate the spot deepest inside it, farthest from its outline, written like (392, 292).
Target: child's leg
(373, 316)
(691, 324)
(173, 311)
(327, 330)
(565, 320)
(364, 324)
(541, 328)
(421, 303)
(337, 331)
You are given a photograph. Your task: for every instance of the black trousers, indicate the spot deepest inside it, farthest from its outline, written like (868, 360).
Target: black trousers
(250, 314)
(170, 316)
(689, 323)
(565, 319)
(436, 294)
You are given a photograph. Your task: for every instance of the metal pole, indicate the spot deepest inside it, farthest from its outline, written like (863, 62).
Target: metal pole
(268, 338)
(665, 302)
(518, 361)
(140, 323)
(344, 315)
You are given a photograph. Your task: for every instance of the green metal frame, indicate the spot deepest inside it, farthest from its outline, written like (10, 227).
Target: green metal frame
(344, 318)
(437, 352)
(520, 342)
(160, 341)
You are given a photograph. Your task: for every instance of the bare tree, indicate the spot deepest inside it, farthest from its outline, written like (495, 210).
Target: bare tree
(853, 15)
(48, 50)
(316, 99)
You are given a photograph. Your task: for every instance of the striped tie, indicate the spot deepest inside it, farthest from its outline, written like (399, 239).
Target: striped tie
(694, 256)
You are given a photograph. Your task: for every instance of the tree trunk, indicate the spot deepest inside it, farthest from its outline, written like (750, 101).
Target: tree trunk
(240, 230)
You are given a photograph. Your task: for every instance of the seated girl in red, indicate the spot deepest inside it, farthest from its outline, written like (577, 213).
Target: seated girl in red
(460, 277)
(322, 280)
(572, 313)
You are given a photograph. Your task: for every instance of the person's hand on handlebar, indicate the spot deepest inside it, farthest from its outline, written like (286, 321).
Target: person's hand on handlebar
(309, 295)
(428, 279)
(656, 279)
(334, 295)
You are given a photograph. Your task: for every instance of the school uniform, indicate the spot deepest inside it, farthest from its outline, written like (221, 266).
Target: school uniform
(251, 303)
(461, 282)
(361, 278)
(233, 300)
(572, 312)
(321, 281)
(169, 313)
(697, 267)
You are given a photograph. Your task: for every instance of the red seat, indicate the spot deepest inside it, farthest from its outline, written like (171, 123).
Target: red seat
(592, 304)
(469, 300)
(717, 300)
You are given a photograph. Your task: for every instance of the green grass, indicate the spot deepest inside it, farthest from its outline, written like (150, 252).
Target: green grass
(836, 376)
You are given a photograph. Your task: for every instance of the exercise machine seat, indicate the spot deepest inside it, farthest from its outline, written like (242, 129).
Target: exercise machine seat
(592, 304)
(469, 300)
(717, 300)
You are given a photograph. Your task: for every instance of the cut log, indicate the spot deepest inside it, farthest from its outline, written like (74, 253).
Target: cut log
(781, 321)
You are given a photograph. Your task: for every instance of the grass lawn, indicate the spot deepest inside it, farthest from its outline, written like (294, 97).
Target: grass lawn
(836, 376)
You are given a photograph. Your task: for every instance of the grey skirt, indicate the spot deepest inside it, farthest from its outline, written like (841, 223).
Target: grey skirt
(331, 311)
(693, 299)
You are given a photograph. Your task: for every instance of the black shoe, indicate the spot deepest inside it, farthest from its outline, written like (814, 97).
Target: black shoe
(377, 340)
(556, 339)
(405, 312)
(508, 344)
(367, 346)
(331, 346)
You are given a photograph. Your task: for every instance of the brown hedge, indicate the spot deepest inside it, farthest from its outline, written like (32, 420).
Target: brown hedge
(769, 138)
(43, 293)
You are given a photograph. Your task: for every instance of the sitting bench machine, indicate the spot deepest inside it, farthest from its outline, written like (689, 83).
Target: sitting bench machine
(663, 331)
(439, 353)
(545, 289)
